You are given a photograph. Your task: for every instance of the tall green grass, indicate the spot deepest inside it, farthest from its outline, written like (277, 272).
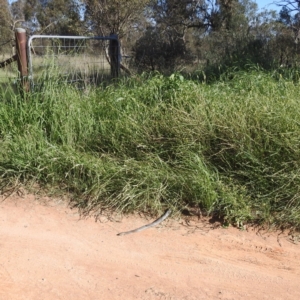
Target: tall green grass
(230, 148)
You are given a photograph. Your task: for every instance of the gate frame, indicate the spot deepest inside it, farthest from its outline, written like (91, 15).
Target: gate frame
(114, 51)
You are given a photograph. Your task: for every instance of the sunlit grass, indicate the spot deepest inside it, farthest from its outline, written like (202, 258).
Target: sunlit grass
(230, 148)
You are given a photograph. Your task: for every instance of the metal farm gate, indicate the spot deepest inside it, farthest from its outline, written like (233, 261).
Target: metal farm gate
(79, 60)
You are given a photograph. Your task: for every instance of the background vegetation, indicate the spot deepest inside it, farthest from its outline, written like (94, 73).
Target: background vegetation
(169, 35)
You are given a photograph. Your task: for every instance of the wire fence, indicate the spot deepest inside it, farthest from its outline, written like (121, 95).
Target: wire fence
(5, 43)
(81, 61)
(9, 73)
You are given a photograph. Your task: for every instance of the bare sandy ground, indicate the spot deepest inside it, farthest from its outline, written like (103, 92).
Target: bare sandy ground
(48, 252)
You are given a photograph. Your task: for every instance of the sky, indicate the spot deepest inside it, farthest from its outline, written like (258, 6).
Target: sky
(267, 4)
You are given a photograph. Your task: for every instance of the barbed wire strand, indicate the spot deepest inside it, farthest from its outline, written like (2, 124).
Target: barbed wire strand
(6, 42)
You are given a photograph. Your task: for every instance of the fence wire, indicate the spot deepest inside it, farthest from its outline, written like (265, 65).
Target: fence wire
(8, 73)
(82, 61)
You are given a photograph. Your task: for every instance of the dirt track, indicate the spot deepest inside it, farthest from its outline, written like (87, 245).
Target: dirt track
(48, 252)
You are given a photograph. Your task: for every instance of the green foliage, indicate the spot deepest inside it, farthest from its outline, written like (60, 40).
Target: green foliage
(53, 16)
(172, 35)
(230, 148)
(164, 54)
(113, 16)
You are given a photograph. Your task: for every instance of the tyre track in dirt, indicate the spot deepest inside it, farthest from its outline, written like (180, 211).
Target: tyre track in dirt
(49, 252)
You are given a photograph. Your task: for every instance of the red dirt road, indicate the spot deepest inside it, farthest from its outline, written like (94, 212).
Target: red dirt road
(48, 252)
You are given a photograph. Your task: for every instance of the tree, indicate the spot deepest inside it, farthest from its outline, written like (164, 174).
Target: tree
(163, 44)
(113, 16)
(289, 5)
(16, 9)
(158, 51)
(53, 16)
(290, 16)
(176, 24)
(5, 24)
(285, 16)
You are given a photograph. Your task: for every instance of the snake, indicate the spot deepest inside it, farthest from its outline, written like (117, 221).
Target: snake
(156, 222)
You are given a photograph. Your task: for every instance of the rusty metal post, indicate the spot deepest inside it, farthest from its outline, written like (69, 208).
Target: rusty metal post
(114, 56)
(21, 52)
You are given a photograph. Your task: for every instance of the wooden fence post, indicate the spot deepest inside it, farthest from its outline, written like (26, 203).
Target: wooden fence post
(114, 56)
(21, 52)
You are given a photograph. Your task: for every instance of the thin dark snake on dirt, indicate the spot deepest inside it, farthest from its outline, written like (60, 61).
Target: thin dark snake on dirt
(156, 222)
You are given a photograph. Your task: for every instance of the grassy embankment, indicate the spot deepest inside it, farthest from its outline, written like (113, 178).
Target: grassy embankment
(230, 147)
